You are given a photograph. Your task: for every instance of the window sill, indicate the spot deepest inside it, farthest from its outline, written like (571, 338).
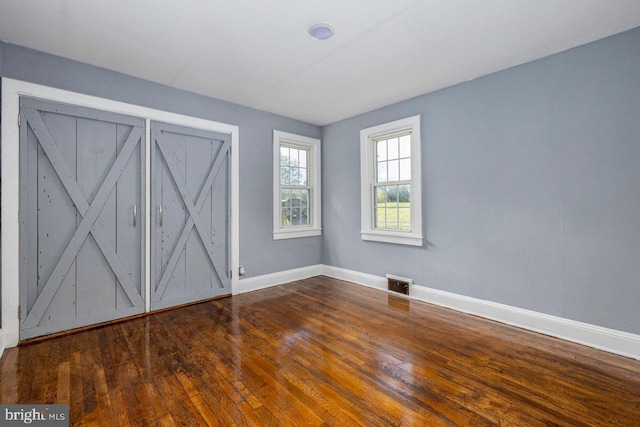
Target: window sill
(391, 237)
(294, 234)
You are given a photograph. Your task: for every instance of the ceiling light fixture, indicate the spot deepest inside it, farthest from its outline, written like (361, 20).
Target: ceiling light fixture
(321, 31)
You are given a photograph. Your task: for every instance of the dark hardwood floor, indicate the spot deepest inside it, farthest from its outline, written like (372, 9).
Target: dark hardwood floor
(322, 352)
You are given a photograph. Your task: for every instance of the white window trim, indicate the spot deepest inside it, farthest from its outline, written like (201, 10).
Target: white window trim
(313, 145)
(367, 158)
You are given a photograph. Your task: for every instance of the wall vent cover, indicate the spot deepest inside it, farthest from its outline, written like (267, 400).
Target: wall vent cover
(399, 284)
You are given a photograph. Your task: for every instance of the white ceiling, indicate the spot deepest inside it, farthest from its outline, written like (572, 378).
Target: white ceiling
(258, 52)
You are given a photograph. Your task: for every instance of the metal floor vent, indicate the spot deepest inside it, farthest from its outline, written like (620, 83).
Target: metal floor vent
(399, 284)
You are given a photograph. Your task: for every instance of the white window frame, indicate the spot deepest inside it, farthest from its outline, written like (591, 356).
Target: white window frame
(314, 163)
(368, 136)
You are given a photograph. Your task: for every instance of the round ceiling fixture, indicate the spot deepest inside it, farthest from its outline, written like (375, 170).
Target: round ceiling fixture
(321, 31)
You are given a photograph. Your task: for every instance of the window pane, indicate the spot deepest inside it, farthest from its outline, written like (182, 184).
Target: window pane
(293, 156)
(292, 174)
(380, 205)
(405, 169)
(392, 145)
(302, 158)
(405, 146)
(394, 170)
(293, 165)
(392, 217)
(404, 194)
(380, 218)
(392, 207)
(304, 216)
(300, 197)
(290, 161)
(286, 217)
(284, 156)
(296, 207)
(302, 176)
(382, 172)
(285, 176)
(294, 200)
(286, 198)
(381, 150)
(392, 195)
(304, 196)
(404, 218)
(296, 176)
(295, 216)
(381, 195)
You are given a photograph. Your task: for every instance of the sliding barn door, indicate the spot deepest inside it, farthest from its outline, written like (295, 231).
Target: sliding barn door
(190, 215)
(80, 216)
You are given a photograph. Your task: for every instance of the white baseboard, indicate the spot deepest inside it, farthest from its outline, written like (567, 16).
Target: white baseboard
(363, 279)
(610, 340)
(274, 279)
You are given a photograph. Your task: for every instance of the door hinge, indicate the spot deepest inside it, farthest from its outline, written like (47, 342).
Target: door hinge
(19, 311)
(19, 118)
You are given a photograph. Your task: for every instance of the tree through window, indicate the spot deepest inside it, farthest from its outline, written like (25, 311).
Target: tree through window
(296, 187)
(295, 191)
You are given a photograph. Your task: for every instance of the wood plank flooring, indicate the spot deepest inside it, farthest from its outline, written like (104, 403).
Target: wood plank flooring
(322, 352)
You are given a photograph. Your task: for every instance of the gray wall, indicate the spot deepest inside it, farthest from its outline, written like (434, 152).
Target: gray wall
(1, 55)
(531, 187)
(531, 179)
(258, 252)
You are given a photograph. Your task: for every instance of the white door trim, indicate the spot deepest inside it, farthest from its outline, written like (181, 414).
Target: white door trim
(12, 90)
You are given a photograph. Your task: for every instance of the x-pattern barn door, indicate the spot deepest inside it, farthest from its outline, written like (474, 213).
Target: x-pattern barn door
(81, 219)
(190, 214)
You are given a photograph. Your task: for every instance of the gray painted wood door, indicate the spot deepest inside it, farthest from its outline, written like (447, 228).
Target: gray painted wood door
(81, 259)
(190, 215)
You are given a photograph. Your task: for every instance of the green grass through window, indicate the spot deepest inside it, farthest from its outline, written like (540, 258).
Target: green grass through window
(393, 216)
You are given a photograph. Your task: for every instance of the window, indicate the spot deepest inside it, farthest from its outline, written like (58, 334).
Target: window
(391, 199)
(296, 186)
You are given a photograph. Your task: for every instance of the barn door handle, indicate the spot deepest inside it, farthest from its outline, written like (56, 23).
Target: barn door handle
(135, 215)
(160, 215)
